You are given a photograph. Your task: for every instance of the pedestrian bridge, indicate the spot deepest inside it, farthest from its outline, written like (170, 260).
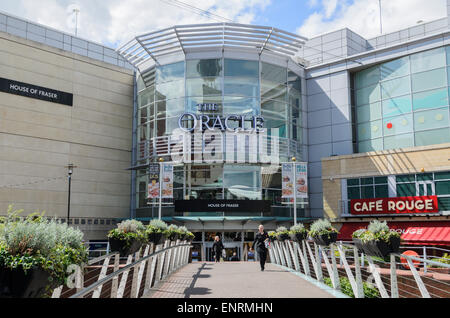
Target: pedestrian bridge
(295, 270)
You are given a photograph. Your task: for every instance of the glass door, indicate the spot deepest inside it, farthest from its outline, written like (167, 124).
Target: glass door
(425, 188)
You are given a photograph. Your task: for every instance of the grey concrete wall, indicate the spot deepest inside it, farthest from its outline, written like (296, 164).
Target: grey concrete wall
(38, 139)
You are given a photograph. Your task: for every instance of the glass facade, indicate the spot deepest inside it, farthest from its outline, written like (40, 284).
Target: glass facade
(404, 102)
(235, 87)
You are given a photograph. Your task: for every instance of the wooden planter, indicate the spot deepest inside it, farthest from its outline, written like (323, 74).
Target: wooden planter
(16, 283)
(298, 237)
(173, 237)
(122, 248)
(325, 239)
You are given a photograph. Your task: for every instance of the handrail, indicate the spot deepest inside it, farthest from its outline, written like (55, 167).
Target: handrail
(106, 279)
(350, 263)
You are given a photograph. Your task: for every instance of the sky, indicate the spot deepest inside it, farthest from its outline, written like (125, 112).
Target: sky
(115, 22)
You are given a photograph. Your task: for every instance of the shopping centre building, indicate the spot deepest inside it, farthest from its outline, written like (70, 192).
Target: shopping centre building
(226, 105)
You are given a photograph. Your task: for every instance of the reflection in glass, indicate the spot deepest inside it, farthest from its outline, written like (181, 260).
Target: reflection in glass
(241, 68)
(242, 182)
(204, 68)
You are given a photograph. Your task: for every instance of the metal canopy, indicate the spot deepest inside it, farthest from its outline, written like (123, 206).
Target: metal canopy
(145, 50)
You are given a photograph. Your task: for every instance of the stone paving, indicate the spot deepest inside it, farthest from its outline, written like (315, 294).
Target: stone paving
(235, 280)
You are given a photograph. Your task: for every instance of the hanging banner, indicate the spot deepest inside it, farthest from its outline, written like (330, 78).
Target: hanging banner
(167, 181)
(287, 181)
(153, 181)
(300, 181)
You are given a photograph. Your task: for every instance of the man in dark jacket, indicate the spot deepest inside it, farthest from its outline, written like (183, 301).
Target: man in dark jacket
(217, 248)
(260, 244)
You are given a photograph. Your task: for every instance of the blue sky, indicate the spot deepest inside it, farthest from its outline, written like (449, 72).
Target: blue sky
(113, 22)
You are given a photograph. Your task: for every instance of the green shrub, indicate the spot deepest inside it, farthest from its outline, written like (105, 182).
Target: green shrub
(156, 226)
(376, 231)
(128, 231)
(321, 227)
(299, 228)
(34, 241)
(346, 288)
(444, 259)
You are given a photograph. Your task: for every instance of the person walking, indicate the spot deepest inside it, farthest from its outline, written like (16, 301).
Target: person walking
(260, 243)
(218, 248)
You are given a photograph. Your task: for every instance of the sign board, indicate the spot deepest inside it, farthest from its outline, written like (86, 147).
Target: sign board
(153, 181)
(36, 92)
(167, 181)
(222, 205)
(398, 205)
(300, 182)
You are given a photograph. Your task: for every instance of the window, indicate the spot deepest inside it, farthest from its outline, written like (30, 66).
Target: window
(204, 68)
(241, 68)
(367, 188)
(170, 72)
(410, 95)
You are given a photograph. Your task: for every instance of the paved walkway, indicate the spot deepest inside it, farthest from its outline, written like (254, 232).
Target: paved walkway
(235, 280)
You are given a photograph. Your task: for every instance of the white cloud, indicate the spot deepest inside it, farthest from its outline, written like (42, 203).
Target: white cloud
(117, 21)
(362, 16)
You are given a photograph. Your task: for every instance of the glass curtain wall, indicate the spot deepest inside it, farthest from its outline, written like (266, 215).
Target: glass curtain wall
(404, 102)
(243, 87)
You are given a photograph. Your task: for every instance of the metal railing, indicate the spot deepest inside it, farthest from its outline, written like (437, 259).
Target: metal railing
(106, 277)
(401, 275)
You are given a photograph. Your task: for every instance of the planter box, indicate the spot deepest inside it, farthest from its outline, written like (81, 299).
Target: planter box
(15, 283)
(298, 237)
(173, 237)
(121, 247)
(325, 239)
(156, 238)
(381, 248)
(283, 237)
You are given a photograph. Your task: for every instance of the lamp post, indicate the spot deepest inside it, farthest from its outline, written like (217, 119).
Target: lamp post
(161, 161)
(70, 168)
(295, 190)
(76, 11)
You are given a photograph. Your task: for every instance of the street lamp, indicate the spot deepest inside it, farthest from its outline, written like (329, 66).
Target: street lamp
(161, 161)
(295, 190)
(70, 168)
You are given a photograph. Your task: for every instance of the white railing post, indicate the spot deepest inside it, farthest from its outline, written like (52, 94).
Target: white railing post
(337, 282)
(286, 253)
(148, 275)
(123, 280)
(141, 272)
(394, 284)
(115, 280)
(423, 290)
(102, 275)
(359, 283)
(348, 271)
(313, 260)
(304, 258)
(293, 252)
(135, 274)
(374, 270)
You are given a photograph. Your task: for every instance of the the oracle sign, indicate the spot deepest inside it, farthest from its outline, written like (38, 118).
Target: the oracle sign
(420, 204)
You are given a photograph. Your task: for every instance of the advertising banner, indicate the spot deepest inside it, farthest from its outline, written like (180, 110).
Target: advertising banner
(398, 205)
(167, 181)
(300, 181)
(153, 181)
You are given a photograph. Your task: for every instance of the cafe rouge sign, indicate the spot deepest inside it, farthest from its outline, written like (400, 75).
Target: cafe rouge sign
(398, 205)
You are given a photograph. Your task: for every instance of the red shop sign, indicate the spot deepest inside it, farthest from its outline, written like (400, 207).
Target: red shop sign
(422, 204)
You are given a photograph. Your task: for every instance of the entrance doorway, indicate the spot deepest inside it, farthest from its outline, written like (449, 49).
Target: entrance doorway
(230, 248)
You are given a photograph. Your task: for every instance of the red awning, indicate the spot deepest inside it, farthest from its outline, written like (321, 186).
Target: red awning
(421, 233)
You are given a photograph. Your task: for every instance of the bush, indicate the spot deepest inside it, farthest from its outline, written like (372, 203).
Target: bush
(376, 231)
(128, 231)
(156, 226)
(444, 259)
(299, 228)
(34, 241)
(321, 227)
(346, 288)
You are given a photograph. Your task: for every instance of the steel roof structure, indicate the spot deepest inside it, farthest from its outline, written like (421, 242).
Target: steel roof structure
(145, 50)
